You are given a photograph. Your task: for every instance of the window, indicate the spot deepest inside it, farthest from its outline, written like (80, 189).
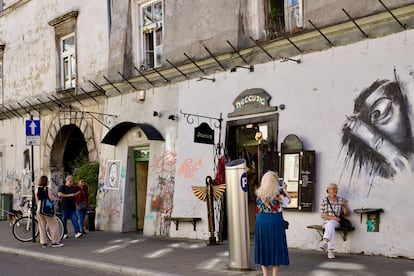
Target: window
(68, 61)
(1, 80)
(1, 73)
(282, 16)
(65, 38)
(294, 15)
(152, 34)
(275, 17)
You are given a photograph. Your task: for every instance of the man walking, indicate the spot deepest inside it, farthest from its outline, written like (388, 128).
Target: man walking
(67, 193)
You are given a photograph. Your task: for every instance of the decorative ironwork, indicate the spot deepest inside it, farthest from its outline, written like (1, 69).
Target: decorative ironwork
(190, 119)
(104, 119)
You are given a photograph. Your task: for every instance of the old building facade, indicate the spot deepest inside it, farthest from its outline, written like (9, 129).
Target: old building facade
(328, 85)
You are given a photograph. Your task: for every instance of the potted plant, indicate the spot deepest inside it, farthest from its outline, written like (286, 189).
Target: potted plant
(275, 21)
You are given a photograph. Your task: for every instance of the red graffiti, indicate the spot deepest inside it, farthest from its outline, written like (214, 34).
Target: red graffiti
(189, 167)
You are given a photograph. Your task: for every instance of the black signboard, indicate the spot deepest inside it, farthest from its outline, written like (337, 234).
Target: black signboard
(308, 181)
(204, 134)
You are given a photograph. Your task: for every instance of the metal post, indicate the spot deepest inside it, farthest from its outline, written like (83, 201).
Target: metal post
(33, 193)
(210, 209)
(237, 214)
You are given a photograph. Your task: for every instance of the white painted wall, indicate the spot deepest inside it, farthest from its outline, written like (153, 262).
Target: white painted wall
(318, 93)
(162, 162)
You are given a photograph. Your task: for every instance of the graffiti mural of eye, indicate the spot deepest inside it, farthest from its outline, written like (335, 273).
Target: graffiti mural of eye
(381, 111)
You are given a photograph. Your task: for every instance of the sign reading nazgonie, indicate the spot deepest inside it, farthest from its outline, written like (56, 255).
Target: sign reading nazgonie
(204, 134)
(112, 174)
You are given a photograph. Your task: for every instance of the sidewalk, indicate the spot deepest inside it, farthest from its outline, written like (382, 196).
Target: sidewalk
(132, 254)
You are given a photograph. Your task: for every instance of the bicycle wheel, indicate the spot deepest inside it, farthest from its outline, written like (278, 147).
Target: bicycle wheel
(22, 229)
(59, 229)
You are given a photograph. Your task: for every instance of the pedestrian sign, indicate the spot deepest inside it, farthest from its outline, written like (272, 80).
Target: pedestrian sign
(32, 132)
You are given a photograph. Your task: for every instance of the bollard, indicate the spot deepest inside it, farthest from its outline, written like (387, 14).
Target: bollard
(237, 214)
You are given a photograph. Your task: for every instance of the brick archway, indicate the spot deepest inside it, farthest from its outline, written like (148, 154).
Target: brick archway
(76, 119)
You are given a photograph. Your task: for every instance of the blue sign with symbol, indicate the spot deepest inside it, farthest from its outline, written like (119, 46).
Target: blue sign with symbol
(32, 127)
(243, 182)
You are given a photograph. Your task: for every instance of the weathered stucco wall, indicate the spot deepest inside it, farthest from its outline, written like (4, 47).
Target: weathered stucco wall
(30, 56)
(326, 12)
(199, 27)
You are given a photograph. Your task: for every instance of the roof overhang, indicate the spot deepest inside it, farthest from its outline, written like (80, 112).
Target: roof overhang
(116, 133)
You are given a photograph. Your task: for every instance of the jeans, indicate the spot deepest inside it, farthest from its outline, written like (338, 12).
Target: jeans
(81, 218)
(70, 214)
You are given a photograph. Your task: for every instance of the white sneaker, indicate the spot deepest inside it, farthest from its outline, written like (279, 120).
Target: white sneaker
(58, 244)
(324, 246)
(77, 235)
(65, 236)
(331, 254)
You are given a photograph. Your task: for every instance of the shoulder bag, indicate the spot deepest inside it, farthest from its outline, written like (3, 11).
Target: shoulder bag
(343, 221)
(47, 208)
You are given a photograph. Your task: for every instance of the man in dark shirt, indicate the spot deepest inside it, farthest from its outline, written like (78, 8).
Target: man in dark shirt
(67, 193)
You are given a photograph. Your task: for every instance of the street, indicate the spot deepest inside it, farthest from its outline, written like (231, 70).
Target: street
(16, 265)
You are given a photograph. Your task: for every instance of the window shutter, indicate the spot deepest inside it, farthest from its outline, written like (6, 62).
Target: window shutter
(307, 181)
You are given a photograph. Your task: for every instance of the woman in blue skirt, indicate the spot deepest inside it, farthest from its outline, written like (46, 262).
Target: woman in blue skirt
(270, 247)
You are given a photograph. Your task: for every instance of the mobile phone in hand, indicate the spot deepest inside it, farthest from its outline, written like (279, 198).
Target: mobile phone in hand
(280, 180)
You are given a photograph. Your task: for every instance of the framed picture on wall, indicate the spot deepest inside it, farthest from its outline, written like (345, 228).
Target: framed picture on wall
(112, 174)
(26, 182)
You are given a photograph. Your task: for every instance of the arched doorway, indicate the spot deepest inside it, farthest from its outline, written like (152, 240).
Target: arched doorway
(69, 146)
(66, 139)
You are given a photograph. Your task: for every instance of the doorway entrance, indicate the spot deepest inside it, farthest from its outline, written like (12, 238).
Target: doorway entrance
(141, 157)
(242, 143)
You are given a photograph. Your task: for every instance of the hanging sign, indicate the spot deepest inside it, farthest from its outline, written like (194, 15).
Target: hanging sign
(204, 134)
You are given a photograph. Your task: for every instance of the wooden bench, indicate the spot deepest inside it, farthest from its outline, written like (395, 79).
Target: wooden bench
(177, 220)
(342, 231)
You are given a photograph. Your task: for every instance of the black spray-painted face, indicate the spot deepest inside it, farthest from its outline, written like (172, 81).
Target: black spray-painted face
(383, 108)
(378, 134)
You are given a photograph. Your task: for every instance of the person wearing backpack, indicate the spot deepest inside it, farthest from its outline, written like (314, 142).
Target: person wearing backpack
(42, 193)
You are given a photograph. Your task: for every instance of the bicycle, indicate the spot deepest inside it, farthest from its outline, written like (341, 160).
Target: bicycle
(22, 227)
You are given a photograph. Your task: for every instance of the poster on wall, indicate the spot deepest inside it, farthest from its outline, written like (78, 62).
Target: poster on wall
(112, 174)
(26, 182)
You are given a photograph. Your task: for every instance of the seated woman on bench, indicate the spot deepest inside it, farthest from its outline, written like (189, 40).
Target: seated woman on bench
(331, 207)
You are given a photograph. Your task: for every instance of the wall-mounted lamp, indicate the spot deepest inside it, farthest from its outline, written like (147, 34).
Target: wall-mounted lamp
(250, 68)
(204, 78)
(172, 117)
(298, 61)
(156, 114)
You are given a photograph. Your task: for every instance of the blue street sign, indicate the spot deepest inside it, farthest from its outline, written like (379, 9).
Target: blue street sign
(32, 127)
